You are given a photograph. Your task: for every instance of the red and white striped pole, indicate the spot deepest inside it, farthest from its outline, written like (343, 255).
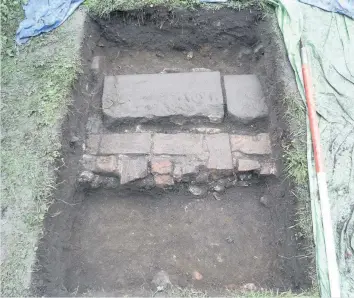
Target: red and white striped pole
(333, 271)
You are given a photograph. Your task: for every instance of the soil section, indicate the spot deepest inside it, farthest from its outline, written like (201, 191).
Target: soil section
(111, 243)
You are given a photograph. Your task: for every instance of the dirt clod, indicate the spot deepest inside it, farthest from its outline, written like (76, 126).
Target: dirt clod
(197, 275)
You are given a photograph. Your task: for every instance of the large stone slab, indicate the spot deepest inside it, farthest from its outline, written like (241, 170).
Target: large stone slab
(155, 96)
(245, 98)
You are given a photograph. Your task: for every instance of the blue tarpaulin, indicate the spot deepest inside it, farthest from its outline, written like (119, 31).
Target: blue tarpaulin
(345, 7)
(43, 16)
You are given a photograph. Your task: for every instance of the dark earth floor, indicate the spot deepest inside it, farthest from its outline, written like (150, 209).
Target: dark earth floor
(120, 241)
(112, 243)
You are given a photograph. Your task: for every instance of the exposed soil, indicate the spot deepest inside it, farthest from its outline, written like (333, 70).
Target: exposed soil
(112, 243)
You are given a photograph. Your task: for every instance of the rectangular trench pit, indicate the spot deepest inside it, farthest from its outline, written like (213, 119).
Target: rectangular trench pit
(115, 241)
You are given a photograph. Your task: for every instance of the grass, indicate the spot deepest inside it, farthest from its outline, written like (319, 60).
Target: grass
(35, 91)
(192, 293)
(104, 8)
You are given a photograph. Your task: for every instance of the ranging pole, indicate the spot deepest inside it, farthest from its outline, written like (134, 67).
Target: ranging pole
(333, 271)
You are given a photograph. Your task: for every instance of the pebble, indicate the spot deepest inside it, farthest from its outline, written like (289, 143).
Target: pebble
(230, 240)
(216, 196)
(202, 177)
(245, 177)
(219, 188)
(264, 201)
(160, 55)
(197, 275)
(172, 70)
(161, 280)
(190, 55)
(249, 287)
(196, 190)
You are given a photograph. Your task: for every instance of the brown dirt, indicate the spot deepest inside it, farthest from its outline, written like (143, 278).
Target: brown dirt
(110, 243)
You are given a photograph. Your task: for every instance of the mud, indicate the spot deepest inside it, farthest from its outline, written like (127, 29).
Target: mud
(110, 243)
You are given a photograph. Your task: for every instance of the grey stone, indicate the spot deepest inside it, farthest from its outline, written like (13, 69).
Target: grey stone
(258, 144)
(86, 177)
(155, 96)
(219, 188)
(178, 144)
(186, 166)
(245, 165)
(265, 200)
(202, 177)
(98, 63)
(219, 152)
(197, 190)
(217, 196)
(109, 182)
(244, 97)
(132, 168)
(161, 280)
(129, 143)
(92, 144)
(268, 168)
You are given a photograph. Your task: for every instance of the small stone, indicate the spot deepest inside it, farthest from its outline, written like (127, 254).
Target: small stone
(160, 55)
(161, 280)
(163, 180)
(86, 177)
(190, 55)
(264, 201)
(106, 165)
(268, 168)
(97, 63)
(74, 140)
(196, 190)
(200, 69)
(245, 176)
(230, 240)
(161, 166)
(243, 183)
(197, 276)
(249, 287)
(245, 165)
(216, 196)
(202, 177)
(109, 182)
(96, 182)
(172, 70)
(219, 188)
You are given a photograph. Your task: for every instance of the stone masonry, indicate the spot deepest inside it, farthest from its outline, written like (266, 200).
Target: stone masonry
(166, 159)
(149, 159)
(141, 98)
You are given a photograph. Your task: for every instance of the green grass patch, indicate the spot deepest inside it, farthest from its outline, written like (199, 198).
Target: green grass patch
(103, 8)
(35, 91)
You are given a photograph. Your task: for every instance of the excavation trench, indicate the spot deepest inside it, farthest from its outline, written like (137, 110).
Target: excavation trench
(110, 238)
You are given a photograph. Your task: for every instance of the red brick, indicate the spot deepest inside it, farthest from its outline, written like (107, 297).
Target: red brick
(161, 166)
(258, 144)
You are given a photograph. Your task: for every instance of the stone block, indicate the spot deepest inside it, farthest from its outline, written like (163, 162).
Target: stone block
(132, 168)
(98, 63)
(129, 143)
(88, 162)
(147, 97)
(245, 98)
(258, 144)
(106, 165)
(92, 144)
(245, 165)
(268, 168)
(186, 166)
(219, 152)
(163, 180)
(160, 165)
(178, 144)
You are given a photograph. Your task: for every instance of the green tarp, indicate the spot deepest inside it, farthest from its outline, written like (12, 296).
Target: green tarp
(329, 38)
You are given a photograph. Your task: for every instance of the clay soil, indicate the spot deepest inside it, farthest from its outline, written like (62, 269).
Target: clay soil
(112, 242)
